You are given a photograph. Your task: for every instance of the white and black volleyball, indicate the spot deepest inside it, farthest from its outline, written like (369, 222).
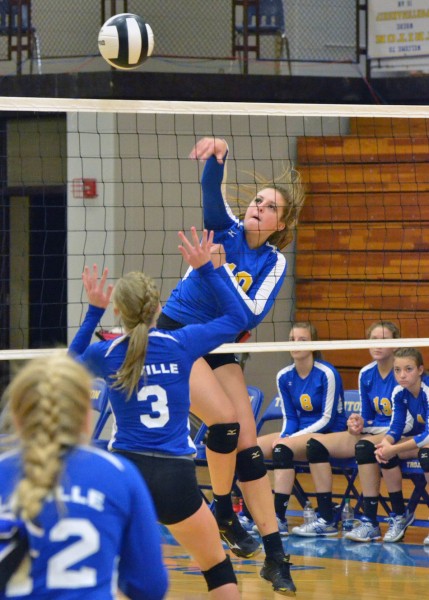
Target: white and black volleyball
(125, 41)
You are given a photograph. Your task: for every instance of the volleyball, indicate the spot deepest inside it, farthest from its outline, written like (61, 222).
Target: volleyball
(125, 41)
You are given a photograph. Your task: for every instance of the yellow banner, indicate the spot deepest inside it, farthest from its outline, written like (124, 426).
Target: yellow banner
(398, 28)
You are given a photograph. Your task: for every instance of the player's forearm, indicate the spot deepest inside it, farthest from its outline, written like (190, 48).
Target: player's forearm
(83, 337)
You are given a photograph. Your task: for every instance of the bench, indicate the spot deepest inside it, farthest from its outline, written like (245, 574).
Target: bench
(348, 467)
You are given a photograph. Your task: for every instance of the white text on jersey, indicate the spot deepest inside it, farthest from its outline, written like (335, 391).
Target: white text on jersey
(93, 498)
(161, 369)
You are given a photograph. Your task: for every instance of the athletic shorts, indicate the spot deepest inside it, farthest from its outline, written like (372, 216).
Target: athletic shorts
(172, 483)
(214, 360)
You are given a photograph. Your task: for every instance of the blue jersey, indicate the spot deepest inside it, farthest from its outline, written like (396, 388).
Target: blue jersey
(313, 404)
(403, 400)
(256, 275)
(156, 417)
(103, 513)
(376, 398)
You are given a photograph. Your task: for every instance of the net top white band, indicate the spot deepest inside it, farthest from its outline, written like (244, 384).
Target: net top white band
(265, 347)
(215, 108)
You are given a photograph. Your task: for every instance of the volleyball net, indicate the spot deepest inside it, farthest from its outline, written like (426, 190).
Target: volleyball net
(110, 182)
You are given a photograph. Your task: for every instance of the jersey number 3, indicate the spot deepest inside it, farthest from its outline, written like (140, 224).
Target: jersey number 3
(157, 397)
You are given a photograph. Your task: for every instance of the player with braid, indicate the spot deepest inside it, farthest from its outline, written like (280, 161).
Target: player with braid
(69, 512)
(148, 372)
(254, 268)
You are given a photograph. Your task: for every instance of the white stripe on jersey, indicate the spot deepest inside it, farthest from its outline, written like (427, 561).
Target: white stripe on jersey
(282, 404)
(366, 368)
(257, 306)
(162, 335)
(90, 449)
(115, 343)
(329, 404)
(123, 337)
(9, 453)
(424, 441)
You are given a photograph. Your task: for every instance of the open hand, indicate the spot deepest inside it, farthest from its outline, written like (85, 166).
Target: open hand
(197, 253)
(97, 295)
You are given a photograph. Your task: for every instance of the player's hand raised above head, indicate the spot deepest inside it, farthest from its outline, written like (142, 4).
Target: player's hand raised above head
(196, 253)
(209, 146)
(95, 289)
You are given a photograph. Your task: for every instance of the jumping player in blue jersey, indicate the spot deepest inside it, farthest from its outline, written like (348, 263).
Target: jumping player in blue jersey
(311, 392)
(254, 268)
(364, 429)
(411, 395)
(73, 519)
(148, 372)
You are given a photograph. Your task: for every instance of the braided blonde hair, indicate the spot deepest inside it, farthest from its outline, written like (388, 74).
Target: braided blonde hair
(136, 297)
(290, 186)
(49, 400)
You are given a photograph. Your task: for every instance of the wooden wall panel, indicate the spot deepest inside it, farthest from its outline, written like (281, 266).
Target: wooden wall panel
(368, 207)
(357, 295)
(363, 238)
(356, 359)
(382, 177)
(384, 126)
(341, 149)
(353, 324)
(366, 266)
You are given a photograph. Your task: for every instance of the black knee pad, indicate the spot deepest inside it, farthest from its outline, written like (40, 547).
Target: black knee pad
(316, 452)
(220, 574)
(364, 453)
(282, 457)
(250, 464)
(223, 437)
(424, 459)
(391, 464)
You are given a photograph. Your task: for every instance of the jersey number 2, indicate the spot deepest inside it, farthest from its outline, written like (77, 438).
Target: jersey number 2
(59, 573)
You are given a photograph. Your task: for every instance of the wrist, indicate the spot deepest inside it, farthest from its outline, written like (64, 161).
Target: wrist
(205, 268)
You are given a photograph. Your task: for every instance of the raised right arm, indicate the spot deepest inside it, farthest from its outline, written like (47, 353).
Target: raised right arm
(217, 214)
